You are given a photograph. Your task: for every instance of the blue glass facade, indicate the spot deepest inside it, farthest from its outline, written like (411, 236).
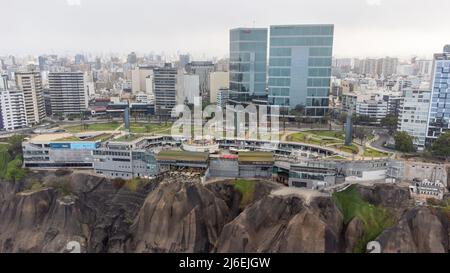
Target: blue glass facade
(439, 115)
(300, 67)
(248, 63)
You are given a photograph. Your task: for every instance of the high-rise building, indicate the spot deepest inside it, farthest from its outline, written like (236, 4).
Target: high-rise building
(376, 110)
(12, 107)
(439, 113)
(188, 87)
(138, 78)
(165, 81)
(424, 67)
(300, 67)
(369, 67)
(31, 85)
(202, 69)
(223, 95)
(393, 101)
(68, 92)
(132, 58)
(248, 64)
(184, 59)
(413, 115)
(387, 66)
(217, 80)
(79, 59)
(42, 62)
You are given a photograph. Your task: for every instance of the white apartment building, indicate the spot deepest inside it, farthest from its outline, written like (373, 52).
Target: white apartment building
(223, 94)
(145, 98)
(413, 115)
(68, 92)
(349, 102)
(31, 85)
(12, 107)
(376, 109)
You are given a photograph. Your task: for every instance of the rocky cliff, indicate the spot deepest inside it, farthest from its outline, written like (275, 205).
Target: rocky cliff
(166, 216)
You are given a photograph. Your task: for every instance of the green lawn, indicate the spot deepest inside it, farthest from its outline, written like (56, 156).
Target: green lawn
(347, 148)
(141, 128)
(110, 126)
(375, 218)
(4, 159)
(247, 189)
(317, 137)
(329, 134)
(311, 139)
(369, 152)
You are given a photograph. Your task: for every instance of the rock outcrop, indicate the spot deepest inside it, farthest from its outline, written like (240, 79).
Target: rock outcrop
(114, 216)
(179, 217)
(278, 223)
(96, 215)
(419, 230)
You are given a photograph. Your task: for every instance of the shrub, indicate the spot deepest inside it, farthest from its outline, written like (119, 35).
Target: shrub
(118, 183)
(62, 186)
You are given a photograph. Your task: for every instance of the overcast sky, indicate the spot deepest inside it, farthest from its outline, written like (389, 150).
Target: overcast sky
(362, 27)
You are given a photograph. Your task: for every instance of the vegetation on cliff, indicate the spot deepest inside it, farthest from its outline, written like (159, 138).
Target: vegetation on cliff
(375, 218)
(246, 188)
(11, 159)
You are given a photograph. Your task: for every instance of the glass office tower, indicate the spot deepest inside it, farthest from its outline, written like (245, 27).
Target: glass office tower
(439, 115)
(248, 61)
(300, 67)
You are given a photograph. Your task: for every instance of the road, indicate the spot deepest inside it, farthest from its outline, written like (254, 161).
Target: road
(381, 139)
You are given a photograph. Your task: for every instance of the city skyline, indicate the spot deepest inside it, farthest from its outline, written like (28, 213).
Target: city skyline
(363, 28)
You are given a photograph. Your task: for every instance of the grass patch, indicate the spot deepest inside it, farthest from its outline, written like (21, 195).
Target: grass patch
(351, 149)
(317, 137)
(142, 128)
(375, 218)
(4, 159)
(369, 152)
(329, 134)
(247, 189)
(110, 126)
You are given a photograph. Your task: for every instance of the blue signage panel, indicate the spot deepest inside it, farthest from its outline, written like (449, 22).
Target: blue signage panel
(83, 146)
(60, 145)
(75, 145)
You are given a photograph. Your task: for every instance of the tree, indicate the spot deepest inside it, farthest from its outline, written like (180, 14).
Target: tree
(298, 112)
(441, 147)
(15, 145)
(360, 133)
(404, 142)
(327, 119)
(15, 172)
(148, 128)
(390, 122)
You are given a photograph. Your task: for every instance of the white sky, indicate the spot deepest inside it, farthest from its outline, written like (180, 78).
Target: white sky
(362, 27)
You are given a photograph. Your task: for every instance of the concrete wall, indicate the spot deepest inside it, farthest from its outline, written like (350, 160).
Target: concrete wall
(421, 170)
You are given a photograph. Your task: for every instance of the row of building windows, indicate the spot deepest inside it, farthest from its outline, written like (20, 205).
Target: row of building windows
(301, 41)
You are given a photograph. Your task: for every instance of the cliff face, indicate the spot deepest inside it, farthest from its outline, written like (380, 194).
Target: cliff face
(179, 217)
(105, 216)
(97, 215)
(284, 224)
(419, 230)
